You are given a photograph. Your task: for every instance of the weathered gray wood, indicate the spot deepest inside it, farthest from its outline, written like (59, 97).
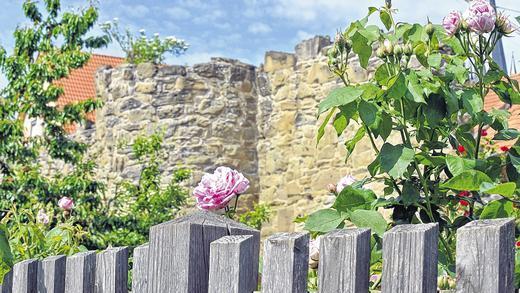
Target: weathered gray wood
(140, 269)
(80, 273)
(485, 256)
(51, 274)
(25, 276)
(344, 261)
(7, 284)
(179, 251)
(410, 259)
(229, 265)
(112, 270)
(286, 263)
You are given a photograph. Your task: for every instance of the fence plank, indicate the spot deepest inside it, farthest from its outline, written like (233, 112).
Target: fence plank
(140, 269)
(485, 256)
(7, 284)
(112, 270)
(179, 251)
(51, 274)
(286, 263)
(25, 276)
(410, 259)
(344, 261)
(229, 265)
(80, 273)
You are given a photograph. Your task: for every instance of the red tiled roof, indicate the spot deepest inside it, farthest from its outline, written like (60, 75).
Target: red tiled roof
(80, 84)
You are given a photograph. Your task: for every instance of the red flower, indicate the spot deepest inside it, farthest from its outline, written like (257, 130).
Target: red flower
(504, 148)
(484, 132)
(464, 193)
(461, 148)
(464, 203)
(466, 214)
(518, 244)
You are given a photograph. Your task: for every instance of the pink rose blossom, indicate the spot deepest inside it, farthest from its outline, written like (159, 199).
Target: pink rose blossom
(42, 217)
(66, 203)
(344, 182)
(452, 22)
(480, 16)
(216, 190)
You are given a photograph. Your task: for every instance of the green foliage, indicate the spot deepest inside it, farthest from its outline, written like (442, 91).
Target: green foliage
(254, 218)
(125, 218)
(444, 169)
(140, 48)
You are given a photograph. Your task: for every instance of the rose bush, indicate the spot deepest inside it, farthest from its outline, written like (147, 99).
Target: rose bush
(427, 94)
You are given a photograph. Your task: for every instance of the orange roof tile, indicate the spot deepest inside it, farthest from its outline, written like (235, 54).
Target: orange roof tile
(80, 84)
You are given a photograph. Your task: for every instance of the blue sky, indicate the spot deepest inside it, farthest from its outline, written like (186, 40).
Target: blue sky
(245, 29)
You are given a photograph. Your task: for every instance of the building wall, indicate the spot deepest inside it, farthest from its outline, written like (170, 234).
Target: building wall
(261, 121)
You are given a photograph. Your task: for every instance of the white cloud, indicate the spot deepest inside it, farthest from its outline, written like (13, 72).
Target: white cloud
(135, 11)
(178, 13)
(259, 28)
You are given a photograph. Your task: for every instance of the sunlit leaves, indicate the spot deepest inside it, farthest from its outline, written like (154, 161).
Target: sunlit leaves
(338, 97)
(395, 159)
(467, 180)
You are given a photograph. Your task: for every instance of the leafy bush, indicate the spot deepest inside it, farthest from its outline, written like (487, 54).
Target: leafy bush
(440, 171)
(140, 48)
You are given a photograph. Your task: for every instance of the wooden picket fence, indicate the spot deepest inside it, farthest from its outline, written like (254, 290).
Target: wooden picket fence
(203, 252)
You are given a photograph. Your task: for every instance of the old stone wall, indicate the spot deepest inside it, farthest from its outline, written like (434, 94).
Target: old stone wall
(207, 114)
(261, 121)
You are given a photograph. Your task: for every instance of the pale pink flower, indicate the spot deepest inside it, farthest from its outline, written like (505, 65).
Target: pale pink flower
(480, 16)
(452, 22)
(66, 203)
(216, 190)
(344, 182)
(42, 217)
(331, 188)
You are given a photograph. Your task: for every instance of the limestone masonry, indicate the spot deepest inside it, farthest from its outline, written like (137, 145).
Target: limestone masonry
(261, 121)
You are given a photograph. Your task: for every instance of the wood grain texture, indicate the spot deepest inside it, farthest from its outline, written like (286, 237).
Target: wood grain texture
(80, 273)
(179, 251)
(286, 263)
(7, 284)
(25, 276)
(51, 274)
(485, 256)
(229, 265)
(410, 259)
(140, 269)
(112, 271)
(344, 261)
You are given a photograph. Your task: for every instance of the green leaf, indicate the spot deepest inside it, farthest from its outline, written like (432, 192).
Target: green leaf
(398, 88)
(493, 76)
(362, 47)
(324, 220)
(385, 127)
(415, 88)
(435, 109)
(467, 180)
(340, 123)
(395, 159)
(351, 144)
(515, 161)
(386, 18)
(338, 97)
(518, 19)
(353, 198)
(504, 189)
(497, 209)
(420, 52)
(369, 219)
(410, 194)
(434, 60)
(457, 165)
(368, 114)
(507, 134)
(321, 130)
(472, 102)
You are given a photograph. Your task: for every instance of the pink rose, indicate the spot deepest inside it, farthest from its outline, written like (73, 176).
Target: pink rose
(344, 182)
(216, 190)
(452, 22)
(42, 217)
(66, 203)
(480, 16)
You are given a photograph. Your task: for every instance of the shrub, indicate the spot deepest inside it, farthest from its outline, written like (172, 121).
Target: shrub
(439, 171)
(140, 48)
